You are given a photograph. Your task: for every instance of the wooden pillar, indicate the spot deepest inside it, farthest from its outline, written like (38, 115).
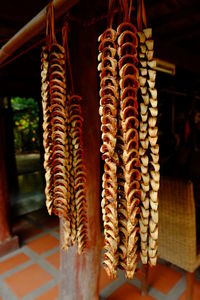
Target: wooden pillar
(7, 243)
(144, 280)
(80, 274)
(189, 285)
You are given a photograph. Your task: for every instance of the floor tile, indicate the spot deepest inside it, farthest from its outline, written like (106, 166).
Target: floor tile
(196, 295)
(163, 278)
(128, 292)
(43, 244)
(51, 294)
(27, 280)
(104, 279)
(54, 259)
(13, 262)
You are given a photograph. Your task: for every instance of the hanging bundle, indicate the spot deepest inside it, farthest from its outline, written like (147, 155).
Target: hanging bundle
(128, 110)
(62, 127)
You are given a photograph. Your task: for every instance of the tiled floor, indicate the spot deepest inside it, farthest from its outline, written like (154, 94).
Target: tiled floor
(32, 272)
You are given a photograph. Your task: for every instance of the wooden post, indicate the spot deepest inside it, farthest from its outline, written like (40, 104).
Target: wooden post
(80, 274)
(144, 281)
(189, 285)
(7, 243)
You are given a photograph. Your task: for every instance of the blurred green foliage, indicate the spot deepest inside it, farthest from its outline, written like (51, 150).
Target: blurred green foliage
(26, 124)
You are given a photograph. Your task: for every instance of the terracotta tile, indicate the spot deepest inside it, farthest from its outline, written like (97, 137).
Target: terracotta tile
(51, 294)
(163, 278)
(128, 292)
(13, 262)
(43, 244)
(196, 295)
(104, 279)
(54, 259)
(27, 280)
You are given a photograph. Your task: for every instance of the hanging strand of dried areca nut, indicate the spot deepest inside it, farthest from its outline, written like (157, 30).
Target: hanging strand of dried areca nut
(58, 121)
(47, 129)
(76, 122)
(143, 150)
(154, 166)
(127, 52)
(109, 99)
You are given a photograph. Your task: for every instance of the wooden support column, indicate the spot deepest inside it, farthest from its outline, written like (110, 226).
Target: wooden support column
(7, 243)
(80, 274)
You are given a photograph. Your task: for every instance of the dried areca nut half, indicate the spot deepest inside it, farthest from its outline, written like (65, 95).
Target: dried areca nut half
(153, 196)
(142, 37)
(155, 149)
(129, 126)
(153, 131)
(143, 246)
(154, 93)
(154, 216)
(144, 212)
(146, 203)
(147, 32)
(109, 90)
(143, 71)
(107, 62)
(129, 92)
(127, 36)
(108, 109)
(152, 121)
(142, 80)
(109, 80)
(145, 160)
(143, 228)
(155, 185)
(109, 99)
(152, 243)
(152, 64)
(149, 55)
(143, 90)
(146, 98)
(132, 144)
(145, 143)
(152, 252)
(153, 260)
(143, 195)
(153, 102)
(151, 84)
(141, 55)
(144, 117)
(152, 225)
(128, 155)
(145, 187)
(128, 69)
(127, 59)
(108, 138)
(154, 205)
(135, 175)
(144, 169)
(127, 48)
(155, 158)
(155, 167)
(143, 126)
(153, 140)
(134, 163)
(132, 186)
(152, 75)
(144, 236)
(142, 135)
(108, 71)
(108, 34)
(126, 26)
(143, 63)
(143, 48)
(129, 81)
(149, 44)
(129, 101)
(155, 175)
(108, 51)
(146, 178)
(144, 259)
(143, 108)
(107, 43)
